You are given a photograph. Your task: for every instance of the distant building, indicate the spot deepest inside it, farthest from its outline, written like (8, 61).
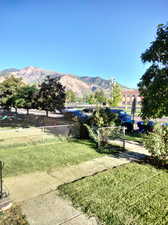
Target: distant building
(128, 96)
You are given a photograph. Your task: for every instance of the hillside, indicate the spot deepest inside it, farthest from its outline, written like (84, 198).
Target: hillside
(80, 85)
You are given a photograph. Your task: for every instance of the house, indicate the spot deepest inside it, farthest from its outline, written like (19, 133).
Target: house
(128, 96)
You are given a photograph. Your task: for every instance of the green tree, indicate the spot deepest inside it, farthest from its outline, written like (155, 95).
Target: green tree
(70, 96)
(25, 98)
(97, 97)
(153, 85)
(8, 92)
(115, 96)
(91, 99)
(51, 95)
(100, 96)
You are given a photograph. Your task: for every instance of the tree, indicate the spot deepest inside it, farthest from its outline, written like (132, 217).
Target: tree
(97, 97)
(115, 96)
(25, 98)
(70, 96)
(51, 95)
(8, 92)
(91, 99)
(100, 97)
(153, 86)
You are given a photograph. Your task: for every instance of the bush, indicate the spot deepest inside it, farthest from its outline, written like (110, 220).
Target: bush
(104, 118)
(93, 134)
(13, 216)
(157, 143)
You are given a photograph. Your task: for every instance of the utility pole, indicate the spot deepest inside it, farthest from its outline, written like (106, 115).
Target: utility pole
(133, 108)
(1, 181)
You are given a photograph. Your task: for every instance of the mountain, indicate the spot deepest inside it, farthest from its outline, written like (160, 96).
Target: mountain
(80, 85)
(7, 71)
(73, 83)
(32, 75)
(97, 83)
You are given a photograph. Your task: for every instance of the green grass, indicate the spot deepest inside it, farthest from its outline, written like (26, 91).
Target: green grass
(40, 157)
(133, 194)
(136, 138)
(22, 137)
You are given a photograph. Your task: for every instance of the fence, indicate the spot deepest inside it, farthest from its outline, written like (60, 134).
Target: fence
(112, 135)
(24, 136)
(21, 120)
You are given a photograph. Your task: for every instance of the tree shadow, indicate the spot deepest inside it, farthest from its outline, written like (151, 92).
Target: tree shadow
(120, 152)
(158, 164)
(133, 156)
(18, 120)
(112, 150)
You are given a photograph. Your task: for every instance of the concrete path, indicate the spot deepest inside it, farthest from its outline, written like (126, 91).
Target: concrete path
(134, 150)
(37, 191)
(50, 209)
(34, 184)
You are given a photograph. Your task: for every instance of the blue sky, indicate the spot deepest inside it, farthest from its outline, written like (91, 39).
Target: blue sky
(83, 37)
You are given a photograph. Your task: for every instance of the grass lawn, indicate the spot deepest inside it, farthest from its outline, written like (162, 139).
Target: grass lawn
(21, 137)
(40, 157)
(136, 138)
(134, 194)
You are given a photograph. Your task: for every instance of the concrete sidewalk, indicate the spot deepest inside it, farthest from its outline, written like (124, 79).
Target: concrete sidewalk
(37, 191)
(31, 185)
(50, 209)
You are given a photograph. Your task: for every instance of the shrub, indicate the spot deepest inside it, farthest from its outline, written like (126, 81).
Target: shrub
(108, 121)
(93, 134)
(157, 143)
(13, 216)
(102, 117)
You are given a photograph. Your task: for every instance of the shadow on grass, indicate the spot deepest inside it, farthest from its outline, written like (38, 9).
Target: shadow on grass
(119, 152)
(158, 164)
(31, 120)
(112, 150)
(87, 142)
(109, 149)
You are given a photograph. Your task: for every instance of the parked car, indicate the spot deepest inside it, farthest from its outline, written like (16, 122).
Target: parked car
(124, 118)
(164, 124)
(88, 110)
(145, 127)
(8, 115)
(76, 113)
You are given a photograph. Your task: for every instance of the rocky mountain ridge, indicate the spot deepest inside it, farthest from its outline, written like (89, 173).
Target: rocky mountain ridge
(80, 85)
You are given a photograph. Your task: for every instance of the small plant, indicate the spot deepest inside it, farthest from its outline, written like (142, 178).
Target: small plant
(157, 143)
(93, 133)
(13, 216)
(109, 133)
(101, 136)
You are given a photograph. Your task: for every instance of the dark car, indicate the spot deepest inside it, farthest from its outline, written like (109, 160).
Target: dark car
(76, 113)
(88, 110)
(124, 118)
(145, 127)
